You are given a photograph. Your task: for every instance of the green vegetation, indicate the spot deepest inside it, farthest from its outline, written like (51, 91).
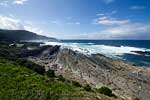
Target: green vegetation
(87, 87)
(20, 83)
(21, 79)
(50, 73)
(31, 65)
(8, 52)
(61, 78)
(77, 84)
(74, 83)
(136, 98)
(105, 91)
(16, 53)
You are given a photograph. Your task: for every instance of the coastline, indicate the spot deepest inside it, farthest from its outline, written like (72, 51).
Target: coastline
(134, 54)
(126, 81)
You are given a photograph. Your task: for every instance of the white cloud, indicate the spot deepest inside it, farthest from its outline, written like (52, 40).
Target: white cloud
(5, 3)
(16, 24)
(103, 18)
(114, 12)
(28, 25)
(108, 1)
(77, 23)
(19, 2)
(137, 7)
(100, 14)
(68, 18)
(120, 29)
(10, 23)
(73, 23)
(55, 22)
(110, 21)
(127, 31)
(68, 23)
(107, 13)
(69, 35)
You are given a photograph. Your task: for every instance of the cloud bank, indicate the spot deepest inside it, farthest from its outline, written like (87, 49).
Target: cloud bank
(113, 29)
(109, 21)
(125, 31)
(19, 2)
(108, 1)
(10, 23)
(137, 7)
(6, 3)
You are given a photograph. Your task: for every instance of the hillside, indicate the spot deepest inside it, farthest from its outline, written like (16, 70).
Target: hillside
(17, 35)
(73, 68)
(19, 83)
(23, 80)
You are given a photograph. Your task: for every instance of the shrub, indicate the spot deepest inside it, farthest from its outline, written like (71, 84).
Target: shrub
(87, 87)
(50, 73)
(61, 78)
(105, 91)
(77, 84)
(37, 68)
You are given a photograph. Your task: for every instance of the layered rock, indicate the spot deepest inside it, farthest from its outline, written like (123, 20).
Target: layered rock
(125, 80)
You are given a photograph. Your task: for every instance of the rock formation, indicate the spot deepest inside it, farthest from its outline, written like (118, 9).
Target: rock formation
(125, 80)
(142, 52)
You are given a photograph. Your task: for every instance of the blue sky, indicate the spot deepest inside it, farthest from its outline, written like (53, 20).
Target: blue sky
(78, 19)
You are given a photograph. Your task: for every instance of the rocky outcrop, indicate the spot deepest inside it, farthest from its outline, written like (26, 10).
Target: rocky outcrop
(125, 80)
(142, 52)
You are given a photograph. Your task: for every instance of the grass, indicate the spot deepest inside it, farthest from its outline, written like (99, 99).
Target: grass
(23, 80)
(20, 83)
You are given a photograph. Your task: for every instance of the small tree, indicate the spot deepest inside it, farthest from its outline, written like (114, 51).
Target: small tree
(105, 91)
(50, 73)
(87, 87)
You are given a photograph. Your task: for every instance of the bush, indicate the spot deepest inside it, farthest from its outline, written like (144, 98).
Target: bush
(37, 68)
(105, 91)
(61, 78)
(50, 73)
(77, 84)
(87, 87)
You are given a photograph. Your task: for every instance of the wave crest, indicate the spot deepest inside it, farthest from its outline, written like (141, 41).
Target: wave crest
(90, 48)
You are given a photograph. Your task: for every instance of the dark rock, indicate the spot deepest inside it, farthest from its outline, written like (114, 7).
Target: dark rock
(142, 52)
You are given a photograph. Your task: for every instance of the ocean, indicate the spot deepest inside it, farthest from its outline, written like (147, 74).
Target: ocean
(116, 49)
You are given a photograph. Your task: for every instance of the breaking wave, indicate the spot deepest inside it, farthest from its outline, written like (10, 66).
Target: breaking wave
(91, 48)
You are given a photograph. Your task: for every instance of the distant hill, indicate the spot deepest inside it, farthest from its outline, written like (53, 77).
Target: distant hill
(18, 35)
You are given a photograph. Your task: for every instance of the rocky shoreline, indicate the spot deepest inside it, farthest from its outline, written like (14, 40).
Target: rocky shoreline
(147, 53)
(126, 81)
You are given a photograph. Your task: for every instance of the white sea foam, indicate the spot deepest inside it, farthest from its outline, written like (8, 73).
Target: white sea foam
(91, 43)
(90, 48)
